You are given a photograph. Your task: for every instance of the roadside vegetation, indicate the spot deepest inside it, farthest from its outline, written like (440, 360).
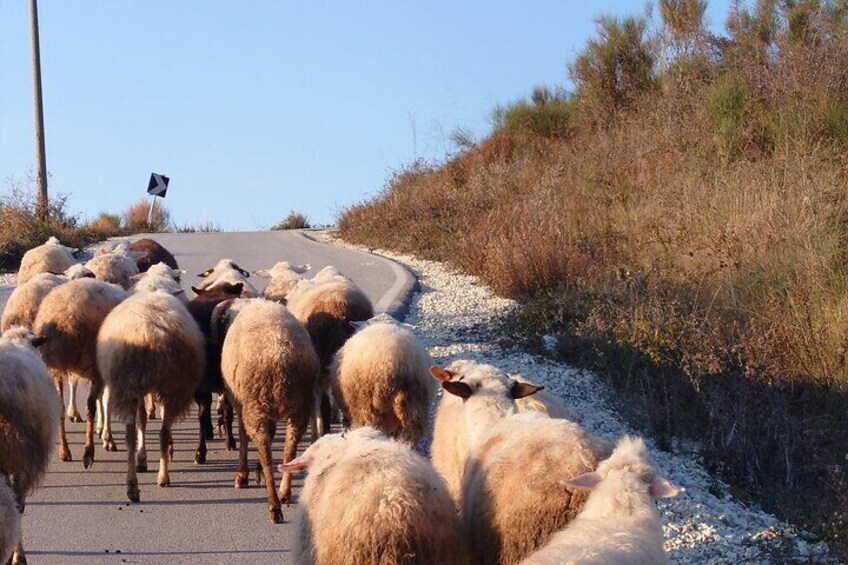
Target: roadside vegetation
(21, 228)
(294, 221)
(678, 219)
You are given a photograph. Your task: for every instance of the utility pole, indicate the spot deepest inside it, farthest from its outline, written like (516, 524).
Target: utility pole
(40, 157)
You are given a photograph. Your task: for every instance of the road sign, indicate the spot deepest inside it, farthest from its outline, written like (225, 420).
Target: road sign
(158, 185)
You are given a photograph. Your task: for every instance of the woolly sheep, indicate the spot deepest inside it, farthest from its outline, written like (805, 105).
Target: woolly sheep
(619, 524)
(449, 448)
(379, 379)
(401, 512)
(51, 257)
(502, 526)
(326, 311)
(284, 276)
(10, 523)
(226, 271)
(269, 366)
(25, 300)
(29, 417)
(117, 266)
(70, 317)
(149, 344)
(154, 253)
(160, 277)
(201, 308)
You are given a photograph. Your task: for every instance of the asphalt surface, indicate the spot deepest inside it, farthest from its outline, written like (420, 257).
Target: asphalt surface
(82, 516)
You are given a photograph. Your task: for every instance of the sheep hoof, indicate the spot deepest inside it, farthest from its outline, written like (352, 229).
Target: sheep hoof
(141, 467)
(241, 480)
(258, 474)
(132, 491)
(18, 559)
(276, 515)
(65, 454)
(88, 457)
(75, 418)
(231, 444)
(109, 445)
(199, 458)
(151, 414)
(164, 481)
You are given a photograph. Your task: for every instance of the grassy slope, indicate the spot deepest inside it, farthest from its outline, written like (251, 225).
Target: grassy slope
(685, 236)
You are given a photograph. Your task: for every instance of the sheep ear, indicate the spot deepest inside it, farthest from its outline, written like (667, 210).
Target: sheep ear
(234, 289)
(206, 273)
(38, 341)
(137, 254)
(242, 271)
(264, 273)
(661, 488)
(442, 375)
(300, 269)
(297, 464)
(177, 292)
(198, 290)
(522, 390)
(586, 481)
(457, 388)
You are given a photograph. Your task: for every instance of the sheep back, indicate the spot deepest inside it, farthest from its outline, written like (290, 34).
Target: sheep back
(23, 304)
(513, 495)
(70, 317)
(449, 448)
(402, 512)
(29, 415)
(380, 379)
(268, 363)
(156, 253)
(44, 259)
(115, 268)
(150, 344)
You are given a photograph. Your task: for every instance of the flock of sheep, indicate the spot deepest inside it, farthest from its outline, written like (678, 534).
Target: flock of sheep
(512, 478)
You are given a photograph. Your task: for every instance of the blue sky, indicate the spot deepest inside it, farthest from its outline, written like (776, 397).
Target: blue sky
(256, 108)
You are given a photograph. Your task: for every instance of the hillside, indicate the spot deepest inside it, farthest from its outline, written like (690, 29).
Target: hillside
(678, 221)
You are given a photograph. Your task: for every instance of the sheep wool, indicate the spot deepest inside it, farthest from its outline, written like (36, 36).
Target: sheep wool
(51, 257)
(402, 512)
(379, 378)
(619, 524)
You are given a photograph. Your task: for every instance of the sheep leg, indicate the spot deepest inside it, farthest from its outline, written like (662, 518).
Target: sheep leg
(243, 471)
(294, 433)
(132, 479)
(150, 402)
(106, 413)
(73, 413)
(166, 448)
(64, 450)
(141, 457)
(99, 428)
(204, 419)
(20, 490)
(317, 416)
(90, 415)
(228, 424)
(263, 445)
(19, 557)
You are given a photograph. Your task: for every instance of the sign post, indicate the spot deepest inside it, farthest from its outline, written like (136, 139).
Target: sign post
(158, 186)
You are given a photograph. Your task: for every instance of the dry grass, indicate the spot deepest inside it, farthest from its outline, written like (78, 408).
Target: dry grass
(135, 217)
(293, 221)
(689, 242)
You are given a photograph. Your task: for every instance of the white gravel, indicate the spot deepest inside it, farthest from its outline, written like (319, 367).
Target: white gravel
(8, 278)
(453, 314)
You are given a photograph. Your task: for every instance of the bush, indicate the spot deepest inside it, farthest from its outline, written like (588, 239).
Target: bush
(199, 227)
(104, 226)
(550, 117)
(135, 217)
(294, 221)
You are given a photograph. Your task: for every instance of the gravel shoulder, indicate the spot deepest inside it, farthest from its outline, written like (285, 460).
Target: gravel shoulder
(454, 314)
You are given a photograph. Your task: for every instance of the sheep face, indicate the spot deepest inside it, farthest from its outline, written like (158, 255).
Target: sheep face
(22, 337)
(161, 269)
(281, 269)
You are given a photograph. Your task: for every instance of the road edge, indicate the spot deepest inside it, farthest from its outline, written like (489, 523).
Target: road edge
(398, 299)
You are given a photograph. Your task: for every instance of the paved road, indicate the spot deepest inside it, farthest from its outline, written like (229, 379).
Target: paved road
(83, 517)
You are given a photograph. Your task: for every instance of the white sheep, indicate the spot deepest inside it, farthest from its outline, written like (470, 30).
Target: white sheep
(10, 523)
(70, 317)
(29, 416)
(50, 257)
(379, 379)
(269, 367)
(510, 510)
(450, 442)
(619, 524)
(284, 276)
(116, 266)
(150, 344)
(160, 277)
(227, 271)
(371, 499)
